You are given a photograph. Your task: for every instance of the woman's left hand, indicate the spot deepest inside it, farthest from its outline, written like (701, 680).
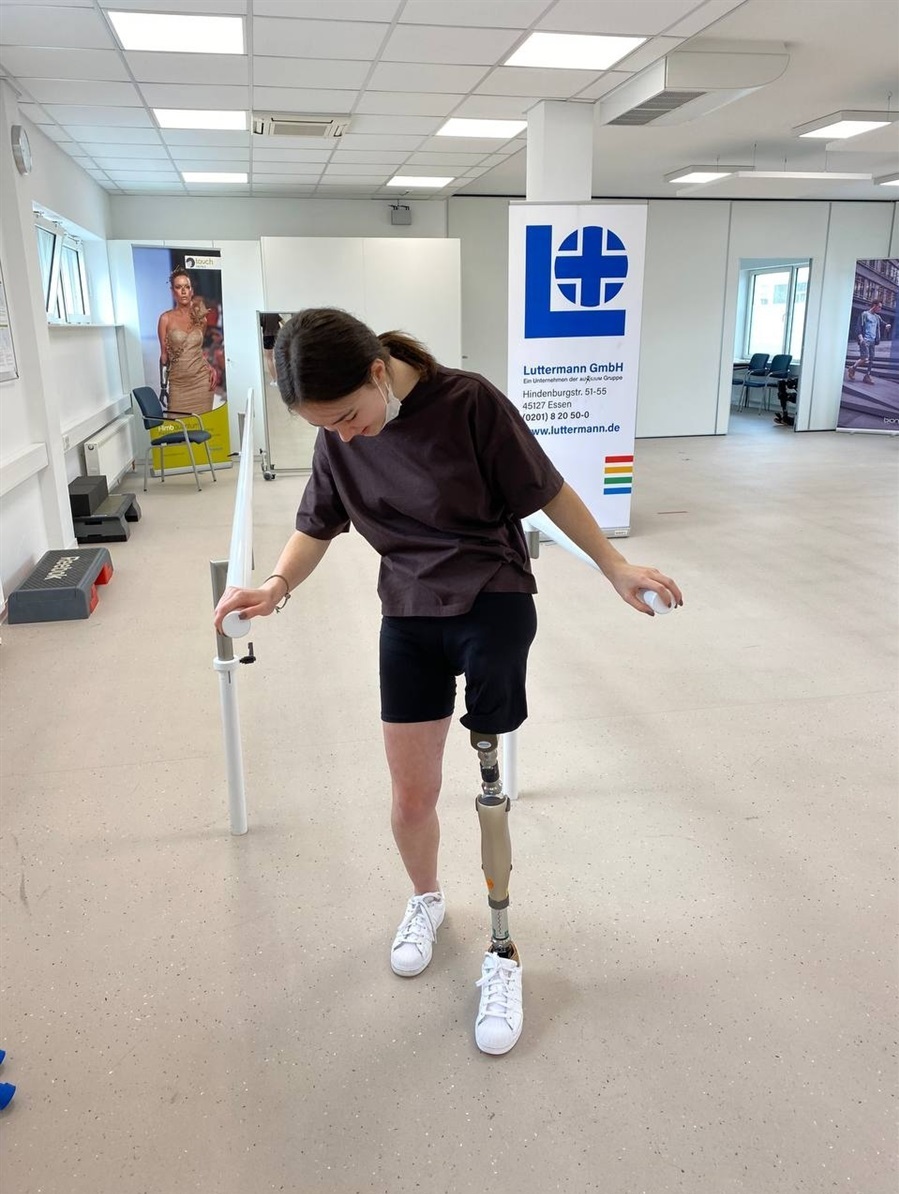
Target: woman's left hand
(629, 579)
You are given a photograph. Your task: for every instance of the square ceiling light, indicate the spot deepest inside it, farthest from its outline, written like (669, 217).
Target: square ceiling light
(189, 118)
(498, 130)
(212, 176)
(839, 125)
(573, 51)
(169, 32)
(697, 175)
(415, 180)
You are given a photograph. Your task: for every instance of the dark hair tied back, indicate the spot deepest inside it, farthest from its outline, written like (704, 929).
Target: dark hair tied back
(322, 354)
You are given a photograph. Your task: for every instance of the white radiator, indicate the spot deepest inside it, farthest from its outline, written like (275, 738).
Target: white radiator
(109, 453)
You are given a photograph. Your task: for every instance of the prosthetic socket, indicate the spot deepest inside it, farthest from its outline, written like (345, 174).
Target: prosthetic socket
(496, 846)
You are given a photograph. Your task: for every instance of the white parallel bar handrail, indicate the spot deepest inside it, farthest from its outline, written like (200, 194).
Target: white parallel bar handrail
(240, 554)
(239, 569)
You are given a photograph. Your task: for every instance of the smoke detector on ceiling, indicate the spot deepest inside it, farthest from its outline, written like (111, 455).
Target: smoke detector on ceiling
(689, 83)
(296, 124)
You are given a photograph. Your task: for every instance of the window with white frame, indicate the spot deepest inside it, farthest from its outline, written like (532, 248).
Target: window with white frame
(775, 311)
(63, 273)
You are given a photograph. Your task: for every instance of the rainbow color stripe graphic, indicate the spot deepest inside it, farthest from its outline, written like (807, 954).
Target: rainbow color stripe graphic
(618, 474)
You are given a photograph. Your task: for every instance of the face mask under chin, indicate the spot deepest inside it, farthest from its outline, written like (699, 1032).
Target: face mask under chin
(391, 402)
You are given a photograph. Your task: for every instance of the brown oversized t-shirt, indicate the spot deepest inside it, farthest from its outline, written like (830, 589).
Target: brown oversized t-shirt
(438, 493)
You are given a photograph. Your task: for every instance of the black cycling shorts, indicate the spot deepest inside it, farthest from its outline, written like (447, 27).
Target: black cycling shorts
(421, 657)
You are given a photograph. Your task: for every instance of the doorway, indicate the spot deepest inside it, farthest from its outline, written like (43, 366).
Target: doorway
(768, 340)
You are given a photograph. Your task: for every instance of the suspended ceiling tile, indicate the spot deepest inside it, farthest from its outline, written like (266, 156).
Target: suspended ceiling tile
(113, 164)
(55, 133)
(214, 165)
(230, 137)
(272, 178)
(62, 64)
(496, 107)
(509, 14)
(430, 43)
(282, 169)
(317, 39)
(622, 18)
(363, 157)
(303, 99)
(481, 146)
(326, 73)
(412, 76)
(83, 91)
(204, 8)
(405, 103)
(103, 134)
(396, 124)
(98, 149)
(543, 84)
(334, 178)
(702, 16)
(75, 114)
(222, 70)
(68, 28)
(132, 176)
(205, 153)
(364, 141)
(454, 160)
(650, 52)
(337, 10)
(604, 84)
(264, 152)
(159, 95)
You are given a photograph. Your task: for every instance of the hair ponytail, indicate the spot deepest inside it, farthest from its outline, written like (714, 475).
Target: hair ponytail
(403, 347)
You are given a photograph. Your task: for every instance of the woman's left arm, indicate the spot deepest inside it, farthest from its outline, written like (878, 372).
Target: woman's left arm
(573, 518)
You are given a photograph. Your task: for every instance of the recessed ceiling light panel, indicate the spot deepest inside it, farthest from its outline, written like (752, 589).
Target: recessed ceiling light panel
(415, 180)
(167, 32)
(189, 118)
(498, 130)
(573, 51)
(212, 176)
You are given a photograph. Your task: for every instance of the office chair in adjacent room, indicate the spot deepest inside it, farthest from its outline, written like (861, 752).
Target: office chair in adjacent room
(754, 378)
(155, 416)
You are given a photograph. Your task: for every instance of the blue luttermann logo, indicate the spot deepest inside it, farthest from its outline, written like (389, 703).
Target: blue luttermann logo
(589, 270)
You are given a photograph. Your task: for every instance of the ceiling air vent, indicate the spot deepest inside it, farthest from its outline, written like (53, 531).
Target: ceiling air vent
(689, 83)
(294, 124)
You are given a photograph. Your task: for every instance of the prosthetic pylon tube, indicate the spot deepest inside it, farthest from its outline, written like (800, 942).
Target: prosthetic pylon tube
(496, 845)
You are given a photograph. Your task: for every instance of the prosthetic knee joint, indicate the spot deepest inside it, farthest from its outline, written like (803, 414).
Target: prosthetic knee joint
(496, 846)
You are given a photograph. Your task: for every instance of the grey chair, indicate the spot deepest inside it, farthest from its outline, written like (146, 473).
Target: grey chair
(155, 416)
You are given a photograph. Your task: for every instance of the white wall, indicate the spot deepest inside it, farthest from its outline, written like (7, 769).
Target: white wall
(690, 295)
(194, 220)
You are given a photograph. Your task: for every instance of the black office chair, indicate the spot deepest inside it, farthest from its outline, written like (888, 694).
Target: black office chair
(154, 416)
(757, 368)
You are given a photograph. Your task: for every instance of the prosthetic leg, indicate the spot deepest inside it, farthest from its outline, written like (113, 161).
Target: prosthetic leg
(500, 1016)
(496, 846)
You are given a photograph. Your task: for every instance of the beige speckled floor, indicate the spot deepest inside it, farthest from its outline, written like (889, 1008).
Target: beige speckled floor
(703, 893)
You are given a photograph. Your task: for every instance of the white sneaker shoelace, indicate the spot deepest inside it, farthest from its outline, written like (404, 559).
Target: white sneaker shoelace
(417, 926)
(500, 984)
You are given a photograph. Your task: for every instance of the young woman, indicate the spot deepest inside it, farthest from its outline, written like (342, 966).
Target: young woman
(185, 373)
(435, 468)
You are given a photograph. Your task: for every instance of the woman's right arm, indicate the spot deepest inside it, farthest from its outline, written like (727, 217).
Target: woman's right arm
(301, 556)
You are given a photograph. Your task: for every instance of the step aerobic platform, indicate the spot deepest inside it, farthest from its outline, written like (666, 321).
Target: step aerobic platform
(108, 523)
(61, 586)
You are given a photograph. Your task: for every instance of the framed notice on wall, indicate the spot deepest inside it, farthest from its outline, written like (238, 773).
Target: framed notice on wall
(8, 370)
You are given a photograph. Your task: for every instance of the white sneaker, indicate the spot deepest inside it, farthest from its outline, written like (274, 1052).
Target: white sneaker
(500, 1015)
(414, 941)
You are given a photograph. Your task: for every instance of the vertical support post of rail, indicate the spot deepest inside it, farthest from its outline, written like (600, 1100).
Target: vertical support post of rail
(226, 666)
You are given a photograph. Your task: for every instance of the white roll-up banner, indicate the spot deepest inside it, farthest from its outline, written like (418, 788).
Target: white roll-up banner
(575, 306)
